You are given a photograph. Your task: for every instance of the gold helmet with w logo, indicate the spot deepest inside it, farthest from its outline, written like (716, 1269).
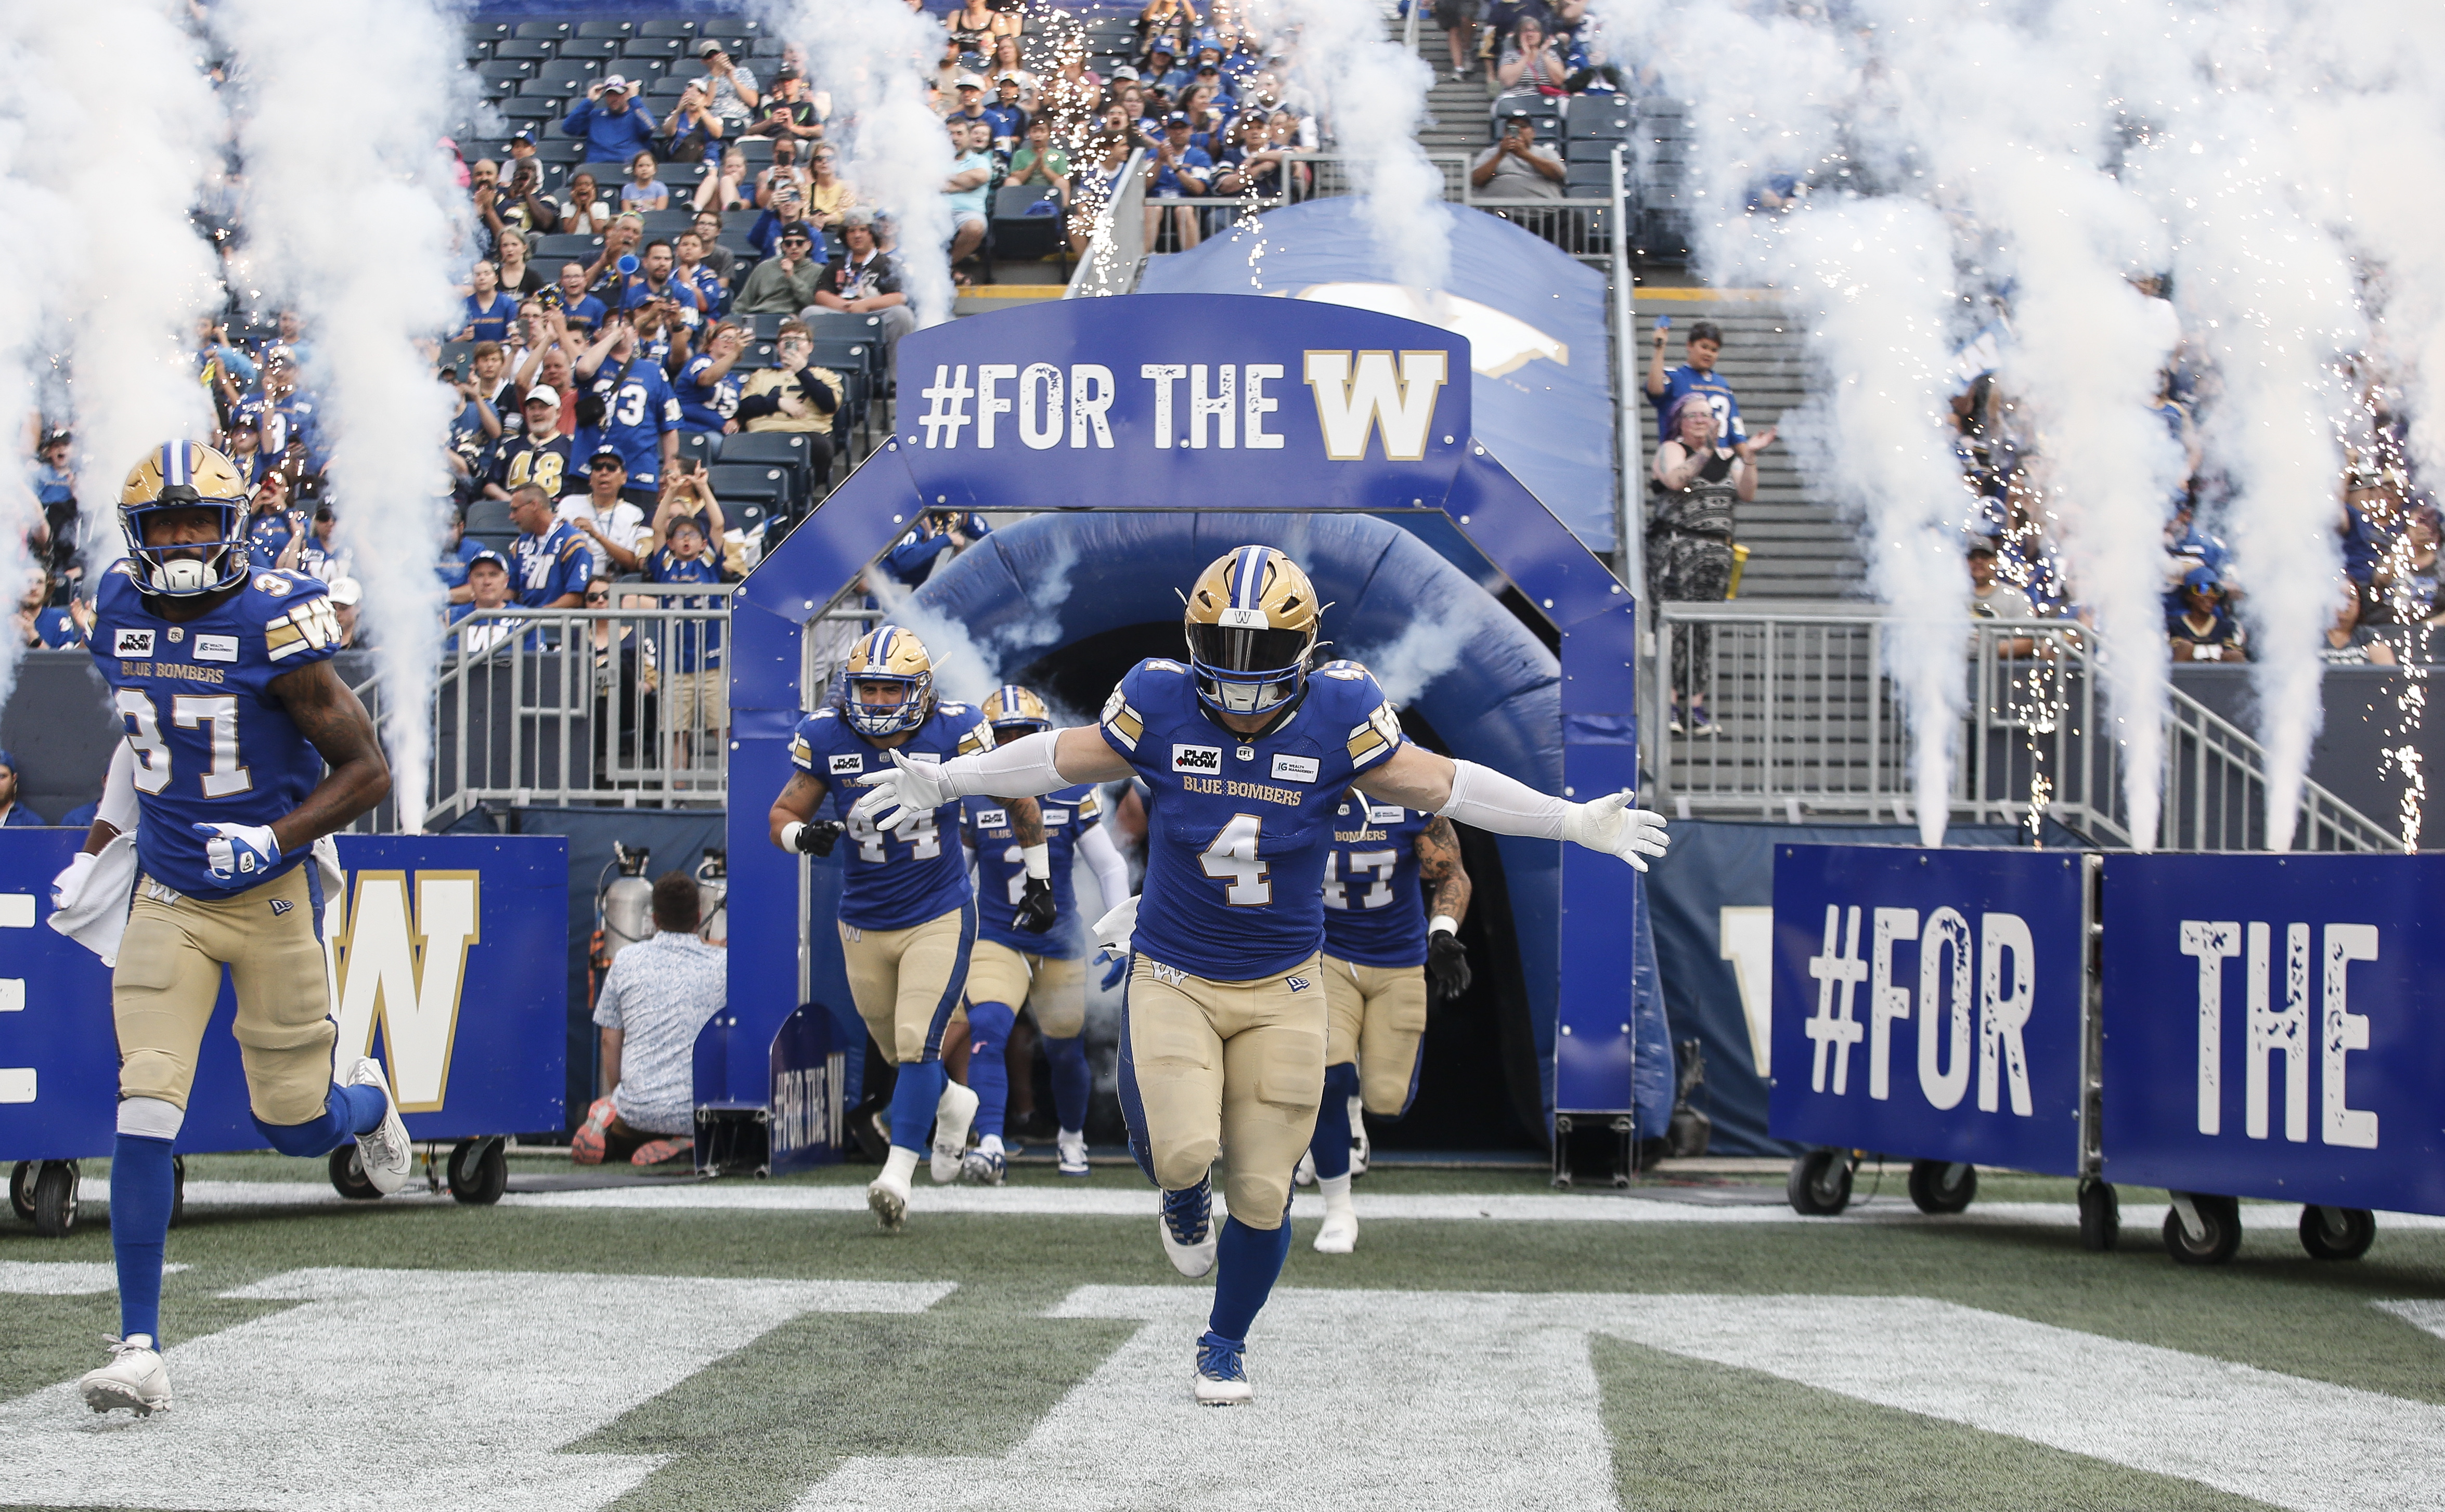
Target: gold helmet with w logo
(1251, 624)
(181, 476)
(887, 656)
(1013, 711)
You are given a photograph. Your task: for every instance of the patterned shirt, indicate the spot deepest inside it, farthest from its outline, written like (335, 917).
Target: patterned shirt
(658, 993)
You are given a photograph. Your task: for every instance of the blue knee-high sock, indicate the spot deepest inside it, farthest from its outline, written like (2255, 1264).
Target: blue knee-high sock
(1331, 1146)
(141, 1184)
(1246, 1261)
(1072, 1082)
(913, 1097)
(348, 1112)
(988, 1075)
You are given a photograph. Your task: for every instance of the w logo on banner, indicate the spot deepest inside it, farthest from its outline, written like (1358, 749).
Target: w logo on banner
(405, 968)
(1358, 392)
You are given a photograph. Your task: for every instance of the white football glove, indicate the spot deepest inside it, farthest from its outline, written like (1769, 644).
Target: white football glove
(1609, 825)
(893, 797)
(69, 886)
(236, 852)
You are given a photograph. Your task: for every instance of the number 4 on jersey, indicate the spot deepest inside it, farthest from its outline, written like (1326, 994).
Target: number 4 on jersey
(1232, 858)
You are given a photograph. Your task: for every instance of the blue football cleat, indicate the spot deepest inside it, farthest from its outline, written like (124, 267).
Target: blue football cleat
(1188, 1230)
(1221, 1378)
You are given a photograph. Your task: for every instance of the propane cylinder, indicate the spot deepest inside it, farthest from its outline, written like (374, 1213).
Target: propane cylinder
(626, 909)
(713, 897)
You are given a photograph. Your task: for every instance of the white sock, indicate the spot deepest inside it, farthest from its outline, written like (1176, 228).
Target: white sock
(1074, 1136)
(145, 1339)
(900, 1164)
(1336, 1194)
(989, 1145)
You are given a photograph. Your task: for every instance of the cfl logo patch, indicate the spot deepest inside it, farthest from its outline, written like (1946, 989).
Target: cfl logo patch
(1171, 975)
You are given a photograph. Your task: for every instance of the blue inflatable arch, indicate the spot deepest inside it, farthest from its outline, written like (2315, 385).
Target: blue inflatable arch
(1109, 420)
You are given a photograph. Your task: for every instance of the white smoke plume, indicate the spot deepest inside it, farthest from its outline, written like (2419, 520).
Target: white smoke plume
(21, 345)
(1371, 94)
(128, 165)
(873, 56)
(1408, 663)
(355, 216)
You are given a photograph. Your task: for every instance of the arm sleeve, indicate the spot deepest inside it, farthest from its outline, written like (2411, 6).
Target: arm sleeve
(1023, 769)
(1104, 859)
(1487, 798)
(118, 807)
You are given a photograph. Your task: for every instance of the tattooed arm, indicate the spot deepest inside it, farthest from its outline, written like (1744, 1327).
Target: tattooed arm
(1440, 869)
(331, 718)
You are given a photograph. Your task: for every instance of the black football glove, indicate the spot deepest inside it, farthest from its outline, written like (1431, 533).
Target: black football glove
(1035, 906)
(1447, 963)
(817, 837)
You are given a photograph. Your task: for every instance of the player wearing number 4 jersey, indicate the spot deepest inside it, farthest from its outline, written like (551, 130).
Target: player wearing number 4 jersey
(221, 676)
(908, 916)
(1223, 1036)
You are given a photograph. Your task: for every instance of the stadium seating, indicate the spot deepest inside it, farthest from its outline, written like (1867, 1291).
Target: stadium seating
(788, 449)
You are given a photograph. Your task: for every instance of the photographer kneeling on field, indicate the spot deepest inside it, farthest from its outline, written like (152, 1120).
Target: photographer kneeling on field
(655, 997)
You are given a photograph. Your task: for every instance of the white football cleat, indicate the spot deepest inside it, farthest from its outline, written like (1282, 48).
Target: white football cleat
(135, 1379)
(1221, 1378)
(1071, 1153)
(384, 1153)
(952, 1116)
(1340, 1235)
(887, 1200)
(1186, 1226)
(1303, 1173)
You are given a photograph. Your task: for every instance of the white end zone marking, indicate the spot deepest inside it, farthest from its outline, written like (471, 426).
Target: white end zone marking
(411, 1392)
(63, 1278)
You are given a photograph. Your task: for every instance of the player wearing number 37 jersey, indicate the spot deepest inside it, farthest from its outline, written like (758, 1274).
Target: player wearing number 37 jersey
(1247, 757)
(221, 678)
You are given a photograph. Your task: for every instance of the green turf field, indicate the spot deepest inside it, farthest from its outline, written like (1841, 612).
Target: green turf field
(545, 1353)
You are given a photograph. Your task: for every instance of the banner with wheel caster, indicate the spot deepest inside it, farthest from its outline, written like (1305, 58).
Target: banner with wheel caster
(1929, 1004)
(2272, 1031)
(446, 954)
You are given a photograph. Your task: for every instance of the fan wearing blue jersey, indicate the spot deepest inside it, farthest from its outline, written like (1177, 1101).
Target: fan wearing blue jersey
(1223, 1035)
(1379, 948)
(223, 677)
(908, 915)
(1030, 947)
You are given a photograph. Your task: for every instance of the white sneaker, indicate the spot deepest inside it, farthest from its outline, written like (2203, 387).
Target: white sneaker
(888, 1201)
(384, 1153)
(1340, 1235)
(1189, 1231)
(984, 1168)
(135, 1379)
(1222, 1376)
(1071, 1152)
(952, 1116)
(1305, 1172)
(1360, 1146)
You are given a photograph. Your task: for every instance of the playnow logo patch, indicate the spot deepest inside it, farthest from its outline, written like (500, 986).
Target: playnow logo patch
(1207, 759)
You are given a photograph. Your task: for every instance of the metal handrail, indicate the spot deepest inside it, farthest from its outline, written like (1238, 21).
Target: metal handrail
(1804, 715)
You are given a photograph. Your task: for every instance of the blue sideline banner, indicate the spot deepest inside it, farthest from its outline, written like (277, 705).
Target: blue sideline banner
(446, 964)
(2272, 1027)
(1927, 1003)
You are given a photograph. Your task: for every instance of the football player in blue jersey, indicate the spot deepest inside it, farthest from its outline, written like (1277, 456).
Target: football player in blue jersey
(907, 913)
(222, 676)
(1223, 1033)
(1030, 947)
(1379, 948)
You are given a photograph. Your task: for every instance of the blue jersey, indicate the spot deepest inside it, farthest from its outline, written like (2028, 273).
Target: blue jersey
(1001, 872)
(635, 417)
(698, 641)
(268, 536)
(705, 402)
(212, 745)
(550, 566)
(1374, 911)
(894, 879)
(1687, 379)
(1239, 829)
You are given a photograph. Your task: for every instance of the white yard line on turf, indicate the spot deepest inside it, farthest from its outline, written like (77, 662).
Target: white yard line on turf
(1134, 1200)
(63, 1278)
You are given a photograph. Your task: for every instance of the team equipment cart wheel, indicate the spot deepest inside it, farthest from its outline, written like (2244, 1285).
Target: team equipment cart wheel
(2101, 1216)
(2337, 1233)
(1942, 1186)
(479, 1171)
(1820, 1183)
(2207, 1234)
(349, 1175)
(55, 1198)
(21, 1190)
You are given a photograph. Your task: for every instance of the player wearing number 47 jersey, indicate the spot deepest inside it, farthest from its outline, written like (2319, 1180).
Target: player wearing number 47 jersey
(1223, 1036)
(908, 916)
(221, 676)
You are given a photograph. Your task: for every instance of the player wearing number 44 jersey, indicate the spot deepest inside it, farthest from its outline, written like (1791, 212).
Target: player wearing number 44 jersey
(1223, 1037)
(908, 916)
(221, 676)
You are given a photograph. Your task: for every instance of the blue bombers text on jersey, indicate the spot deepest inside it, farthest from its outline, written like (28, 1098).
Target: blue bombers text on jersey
(1001, 872)
(212, 745)
(1374, 912)
(894, 879)
(1238, 828)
